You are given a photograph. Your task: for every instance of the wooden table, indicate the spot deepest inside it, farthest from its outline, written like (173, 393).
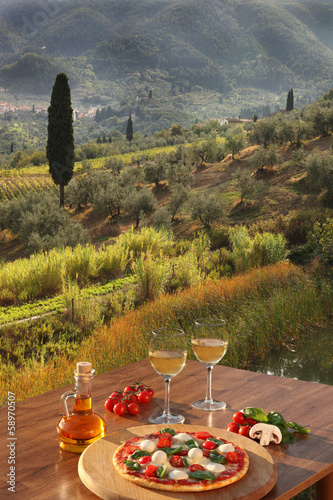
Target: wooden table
(43, 471)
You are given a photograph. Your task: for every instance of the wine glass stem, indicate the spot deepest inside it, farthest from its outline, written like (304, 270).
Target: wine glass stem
(167, 397)
(209, 385)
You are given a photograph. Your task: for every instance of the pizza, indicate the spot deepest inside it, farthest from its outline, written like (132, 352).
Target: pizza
(180, 461)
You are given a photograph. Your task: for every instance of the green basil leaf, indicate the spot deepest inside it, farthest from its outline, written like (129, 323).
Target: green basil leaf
(298, 428)
(216, 457)
(215, 440)
(276, 418)
(172, 451)
(161, 471)
(255, 413)
(202, 474)
(132, 465)
(287, 437)
(167, 429)
(191, 443)
(185, 462)
(139, 454)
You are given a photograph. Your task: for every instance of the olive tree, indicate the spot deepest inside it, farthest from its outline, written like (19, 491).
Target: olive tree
(264, 157)
(155, 171)
(247, 184)
(205, 206)
(139, 203)
(263, 132)
(234, 142)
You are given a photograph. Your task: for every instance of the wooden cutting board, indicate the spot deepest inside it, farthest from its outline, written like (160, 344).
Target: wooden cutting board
(98, 474)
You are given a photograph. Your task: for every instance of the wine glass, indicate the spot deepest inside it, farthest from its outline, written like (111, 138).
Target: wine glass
(209, 343)
(167, 354)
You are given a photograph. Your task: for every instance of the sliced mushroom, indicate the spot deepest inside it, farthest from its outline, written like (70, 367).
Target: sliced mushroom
(266, 433)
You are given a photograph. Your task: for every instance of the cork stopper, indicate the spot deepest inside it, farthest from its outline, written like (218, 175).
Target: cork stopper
(83, 368)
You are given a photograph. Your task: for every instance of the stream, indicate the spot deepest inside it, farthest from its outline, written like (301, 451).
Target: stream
(311, 359)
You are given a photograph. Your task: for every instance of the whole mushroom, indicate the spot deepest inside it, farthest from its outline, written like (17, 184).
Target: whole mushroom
(266, 433)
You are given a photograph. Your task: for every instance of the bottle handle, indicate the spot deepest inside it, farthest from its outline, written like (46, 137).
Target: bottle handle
(63, 401)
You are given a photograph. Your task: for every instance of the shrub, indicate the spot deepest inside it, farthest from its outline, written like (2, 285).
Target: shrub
(263, 249)
(40, 222)
(219, 237)
(299, 225)
(152, 276)
(321, 240)
(161, 219)
(320, 173)
(148, 239)
(268, 248)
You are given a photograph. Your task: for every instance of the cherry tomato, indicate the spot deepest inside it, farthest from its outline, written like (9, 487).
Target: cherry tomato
(239, 418)
(251, 421)
(130, 397)
(151, 470)
(116, 394)
(183, 453)
(165, 435)
(206, 453)
(232, 457)
(129, 388)
(196, 467)
(133, 409)
(244, 430)
(209, 445)
(132, 448)
(150, 391)
(144, 397)
(109, 403)
(202, 435)
(164, 443)
(232, 427)
(176, 461)
(144, 460)
(119, 409)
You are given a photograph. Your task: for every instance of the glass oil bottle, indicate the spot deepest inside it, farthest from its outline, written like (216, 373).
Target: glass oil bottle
(79, 429)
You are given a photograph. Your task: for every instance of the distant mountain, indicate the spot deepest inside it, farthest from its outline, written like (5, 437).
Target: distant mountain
(219, 44)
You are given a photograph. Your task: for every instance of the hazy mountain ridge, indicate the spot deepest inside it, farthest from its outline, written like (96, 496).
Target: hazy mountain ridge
(215, 44)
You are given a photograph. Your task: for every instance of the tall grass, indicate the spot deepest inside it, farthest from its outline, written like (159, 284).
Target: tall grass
(262, 308)
(42, 274)
(263, 249)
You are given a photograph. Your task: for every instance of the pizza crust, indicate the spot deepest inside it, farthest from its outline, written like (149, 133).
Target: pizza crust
(197, 486)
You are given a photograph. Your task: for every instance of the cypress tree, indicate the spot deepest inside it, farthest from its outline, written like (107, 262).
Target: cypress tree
(129, 129)
(290, 100)
(60, 142)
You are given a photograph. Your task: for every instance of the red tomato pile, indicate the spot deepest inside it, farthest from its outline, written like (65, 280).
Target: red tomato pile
(241, 425)
(127, 400)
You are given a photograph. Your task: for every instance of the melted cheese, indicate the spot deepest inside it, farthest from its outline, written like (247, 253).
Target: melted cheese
(215, 468)
(159, 457)
(195, 453)
(178, 474)
(181, 436)
(148, 445)
(225, 448)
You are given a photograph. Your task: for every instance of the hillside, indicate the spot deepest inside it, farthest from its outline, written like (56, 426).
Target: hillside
(217, 45)
(283, 197)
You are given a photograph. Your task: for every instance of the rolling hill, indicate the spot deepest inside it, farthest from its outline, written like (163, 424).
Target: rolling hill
(217, 44)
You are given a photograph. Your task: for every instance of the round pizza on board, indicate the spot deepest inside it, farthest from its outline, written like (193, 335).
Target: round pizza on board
(181, 461)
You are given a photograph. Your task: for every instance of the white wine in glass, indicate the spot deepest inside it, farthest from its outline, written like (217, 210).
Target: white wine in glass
(167, 354)
(209, 343)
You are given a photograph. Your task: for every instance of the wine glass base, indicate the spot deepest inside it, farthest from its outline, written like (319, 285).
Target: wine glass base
(160, 418)
(201, 404)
